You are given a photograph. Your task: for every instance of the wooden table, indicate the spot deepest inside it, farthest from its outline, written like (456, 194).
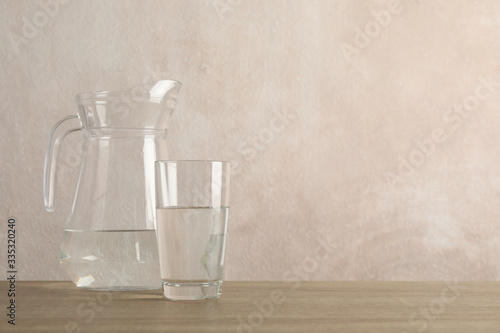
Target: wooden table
(261, 307)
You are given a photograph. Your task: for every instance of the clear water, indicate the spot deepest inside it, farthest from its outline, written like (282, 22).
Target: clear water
(192, 243)
(111, 260)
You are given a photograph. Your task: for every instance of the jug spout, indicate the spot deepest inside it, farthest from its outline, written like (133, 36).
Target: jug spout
(162, 90)
(146, 106)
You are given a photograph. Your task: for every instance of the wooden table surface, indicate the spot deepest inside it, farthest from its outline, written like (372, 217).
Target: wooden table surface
(261, 307)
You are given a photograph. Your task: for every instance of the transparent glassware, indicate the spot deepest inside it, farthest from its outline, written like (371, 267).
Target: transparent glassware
(109, 241)
(192, 203)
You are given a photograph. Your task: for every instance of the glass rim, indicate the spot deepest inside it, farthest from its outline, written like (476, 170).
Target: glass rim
(191, 161)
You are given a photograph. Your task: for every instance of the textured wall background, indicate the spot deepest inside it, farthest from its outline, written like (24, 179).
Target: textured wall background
(387, 156)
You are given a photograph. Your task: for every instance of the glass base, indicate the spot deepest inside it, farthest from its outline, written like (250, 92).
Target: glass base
(191, 291)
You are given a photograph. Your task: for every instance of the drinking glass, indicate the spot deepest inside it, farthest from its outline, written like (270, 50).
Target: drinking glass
(192, 208)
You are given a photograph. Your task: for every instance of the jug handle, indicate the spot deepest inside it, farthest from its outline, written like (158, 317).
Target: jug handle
(62, 128)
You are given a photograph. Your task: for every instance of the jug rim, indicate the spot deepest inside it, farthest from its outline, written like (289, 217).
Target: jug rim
(103, 94)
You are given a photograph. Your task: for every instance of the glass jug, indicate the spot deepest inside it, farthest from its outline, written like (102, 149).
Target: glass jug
(109, 241)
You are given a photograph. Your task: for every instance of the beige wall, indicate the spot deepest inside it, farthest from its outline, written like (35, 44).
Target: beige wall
(359, 110)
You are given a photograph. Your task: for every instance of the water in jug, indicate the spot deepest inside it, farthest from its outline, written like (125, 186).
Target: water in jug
(109, 241)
